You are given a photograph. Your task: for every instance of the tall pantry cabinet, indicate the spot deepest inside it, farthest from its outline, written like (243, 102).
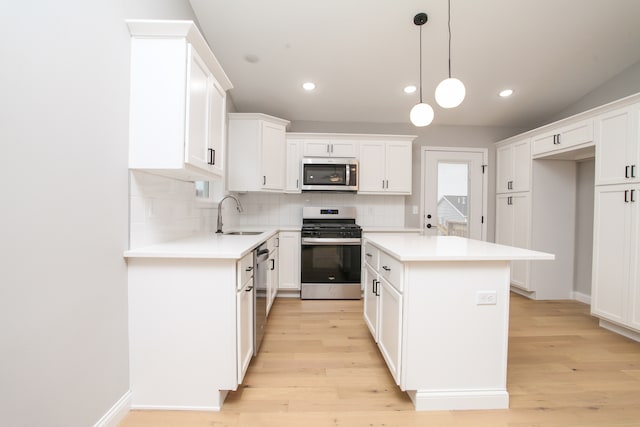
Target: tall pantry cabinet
(616, 265)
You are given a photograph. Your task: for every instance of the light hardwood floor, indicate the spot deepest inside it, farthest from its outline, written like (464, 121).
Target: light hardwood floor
(318, 366)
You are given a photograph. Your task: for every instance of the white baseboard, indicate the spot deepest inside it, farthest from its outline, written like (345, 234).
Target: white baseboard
(620, 330)
(583, 298)
(459, 400)
(117, 412)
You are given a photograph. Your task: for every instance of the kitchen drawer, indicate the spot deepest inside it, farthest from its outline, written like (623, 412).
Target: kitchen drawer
(371, 254)
(391, 269)
(244, 269)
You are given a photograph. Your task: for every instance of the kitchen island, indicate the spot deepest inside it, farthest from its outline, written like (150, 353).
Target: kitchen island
(438, 307)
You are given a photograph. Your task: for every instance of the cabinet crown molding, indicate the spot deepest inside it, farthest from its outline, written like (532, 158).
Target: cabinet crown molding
(154, 28)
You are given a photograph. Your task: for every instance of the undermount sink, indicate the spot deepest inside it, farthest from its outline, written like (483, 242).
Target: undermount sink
(242, 233)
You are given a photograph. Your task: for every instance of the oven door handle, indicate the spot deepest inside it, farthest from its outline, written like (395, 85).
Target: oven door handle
(328, 241)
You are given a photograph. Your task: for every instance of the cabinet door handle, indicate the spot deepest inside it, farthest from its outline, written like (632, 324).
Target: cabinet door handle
(249, 289)
(368, 254)
(273, 264)
(385, 268)
(277, 242)
(264, 180)
(554, 139)
(373, 286)
(248, 269)
(332, 148)
(212, 156)
(328, 148)
(383, 184)
(626, 171)
(633, 171)
(297, 183)
(377, 283)
(633, 199)
(626, 196)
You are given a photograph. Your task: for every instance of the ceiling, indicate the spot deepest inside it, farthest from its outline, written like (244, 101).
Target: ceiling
(362, 53)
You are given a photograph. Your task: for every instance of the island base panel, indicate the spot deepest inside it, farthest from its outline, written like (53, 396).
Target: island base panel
(458, 400)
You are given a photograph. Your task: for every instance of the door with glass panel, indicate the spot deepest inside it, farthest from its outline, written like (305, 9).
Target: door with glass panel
(453, 192)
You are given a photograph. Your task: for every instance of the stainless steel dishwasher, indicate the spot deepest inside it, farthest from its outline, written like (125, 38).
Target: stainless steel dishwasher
(260, 286)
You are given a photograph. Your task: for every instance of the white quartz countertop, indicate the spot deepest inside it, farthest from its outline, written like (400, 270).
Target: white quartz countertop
(414, 247)
(384, 229)
(210, 245)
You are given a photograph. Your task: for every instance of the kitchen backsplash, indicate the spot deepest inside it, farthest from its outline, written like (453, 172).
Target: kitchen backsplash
(163, 209)
(286, 209)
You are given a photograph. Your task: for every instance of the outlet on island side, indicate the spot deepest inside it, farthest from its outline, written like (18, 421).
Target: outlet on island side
(486, 298)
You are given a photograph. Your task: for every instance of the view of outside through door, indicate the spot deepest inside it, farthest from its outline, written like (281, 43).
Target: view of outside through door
(453, 199)
(453, 192)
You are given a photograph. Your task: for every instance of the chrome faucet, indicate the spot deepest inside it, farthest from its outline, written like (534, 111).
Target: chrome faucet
(238, 207)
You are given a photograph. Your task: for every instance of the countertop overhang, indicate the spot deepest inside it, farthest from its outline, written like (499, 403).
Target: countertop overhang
(415, 247)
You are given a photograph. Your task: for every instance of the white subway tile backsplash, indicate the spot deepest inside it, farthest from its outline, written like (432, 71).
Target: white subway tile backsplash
(286, 209)
(162, 209)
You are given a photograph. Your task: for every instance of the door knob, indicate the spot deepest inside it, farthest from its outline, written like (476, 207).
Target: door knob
(428, 225)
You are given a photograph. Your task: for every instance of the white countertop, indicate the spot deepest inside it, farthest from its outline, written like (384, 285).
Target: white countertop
(210, 245)
(414, 247)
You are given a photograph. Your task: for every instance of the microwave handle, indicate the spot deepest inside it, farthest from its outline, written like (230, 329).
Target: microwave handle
(348, 175)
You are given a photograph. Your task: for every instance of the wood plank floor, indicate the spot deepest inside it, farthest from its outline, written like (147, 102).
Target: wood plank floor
(318, 366)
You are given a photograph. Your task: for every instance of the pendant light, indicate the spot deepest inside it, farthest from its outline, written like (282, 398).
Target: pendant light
(421, 113)
(450, 92)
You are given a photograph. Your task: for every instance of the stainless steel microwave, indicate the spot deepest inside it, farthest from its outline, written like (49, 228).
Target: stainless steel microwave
(329, 174)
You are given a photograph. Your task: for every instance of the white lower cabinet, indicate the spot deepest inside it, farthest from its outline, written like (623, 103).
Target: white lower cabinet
(615, 294)
(272, 271)
(370, 296)
(513, 228)
(289, 260)
(390, 326)
(244, 315)
(184, 330)
(383, 309)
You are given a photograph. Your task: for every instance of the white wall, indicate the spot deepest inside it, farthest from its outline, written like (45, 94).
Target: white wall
(619, 86)
(585, 180)
(64, 186)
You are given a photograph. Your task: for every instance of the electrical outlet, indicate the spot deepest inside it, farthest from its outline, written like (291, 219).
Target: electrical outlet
(486, 297)
(415, 210)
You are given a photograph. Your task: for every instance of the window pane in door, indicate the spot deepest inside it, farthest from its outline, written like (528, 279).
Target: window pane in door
(453, 199)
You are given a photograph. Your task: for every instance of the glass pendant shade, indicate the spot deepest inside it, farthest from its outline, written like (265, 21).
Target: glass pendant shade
(421, 114)
(450, 93)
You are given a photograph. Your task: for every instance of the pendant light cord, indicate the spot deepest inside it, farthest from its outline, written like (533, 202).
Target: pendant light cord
(420, 64)
(449, 23)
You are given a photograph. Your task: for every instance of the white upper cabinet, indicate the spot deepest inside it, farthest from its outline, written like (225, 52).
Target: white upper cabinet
(514, 167)
(294, 158)
(330, 148)
(257, 152)
(569, 137)
(177, 102)
(385, 167)
(617, 140)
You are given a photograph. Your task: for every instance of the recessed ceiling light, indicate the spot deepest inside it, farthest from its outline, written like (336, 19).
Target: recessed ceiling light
(410, 89)
(308, 86)
(505, 93)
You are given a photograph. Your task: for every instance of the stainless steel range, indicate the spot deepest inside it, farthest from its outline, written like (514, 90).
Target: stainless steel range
(331, 253)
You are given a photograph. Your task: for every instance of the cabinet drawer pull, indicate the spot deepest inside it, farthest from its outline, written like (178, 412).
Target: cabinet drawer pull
(385, 268)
